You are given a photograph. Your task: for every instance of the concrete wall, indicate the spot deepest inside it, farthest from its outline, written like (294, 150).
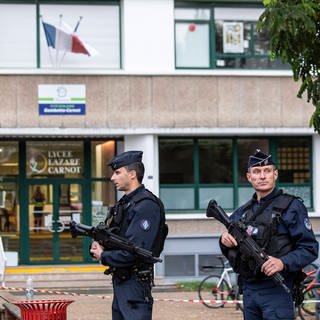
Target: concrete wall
(160, 102)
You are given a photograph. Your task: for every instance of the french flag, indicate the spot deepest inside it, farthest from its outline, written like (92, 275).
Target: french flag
(59, 39)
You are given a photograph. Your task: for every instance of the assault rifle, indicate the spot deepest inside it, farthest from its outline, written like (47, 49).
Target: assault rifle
(104, 236)
(247, 245)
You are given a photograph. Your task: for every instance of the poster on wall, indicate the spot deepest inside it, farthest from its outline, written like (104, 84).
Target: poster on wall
(99, 212)
(62, 99)
(233, 37)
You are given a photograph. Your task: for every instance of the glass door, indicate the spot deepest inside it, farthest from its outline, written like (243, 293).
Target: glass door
(52, 206)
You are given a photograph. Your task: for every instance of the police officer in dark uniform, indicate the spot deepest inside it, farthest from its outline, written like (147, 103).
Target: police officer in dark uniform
(279, 223)
(137, 217)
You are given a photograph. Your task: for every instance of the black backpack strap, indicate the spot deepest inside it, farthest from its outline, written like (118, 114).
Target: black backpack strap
(158, 244)
(282, 202)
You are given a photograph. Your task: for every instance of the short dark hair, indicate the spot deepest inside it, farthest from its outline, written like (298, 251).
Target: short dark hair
(138, 167)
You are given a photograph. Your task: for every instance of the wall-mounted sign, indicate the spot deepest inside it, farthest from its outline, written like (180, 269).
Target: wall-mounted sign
(55, 158)
(57, 162)
(62, 99)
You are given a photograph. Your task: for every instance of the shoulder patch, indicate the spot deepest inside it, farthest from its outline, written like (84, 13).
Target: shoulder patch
(145, 224)
(307, 223)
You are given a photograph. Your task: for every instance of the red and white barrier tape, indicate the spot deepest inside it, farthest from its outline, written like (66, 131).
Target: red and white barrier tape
(201, 301)
(54, 292)
(46, 291)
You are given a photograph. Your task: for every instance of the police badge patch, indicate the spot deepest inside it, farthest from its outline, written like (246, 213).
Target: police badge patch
(145, 225)
(307, 223)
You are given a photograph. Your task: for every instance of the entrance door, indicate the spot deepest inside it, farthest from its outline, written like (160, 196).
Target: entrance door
(52, 206)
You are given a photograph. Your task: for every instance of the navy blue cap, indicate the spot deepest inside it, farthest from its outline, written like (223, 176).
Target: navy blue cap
(124, 159)
(260, 159)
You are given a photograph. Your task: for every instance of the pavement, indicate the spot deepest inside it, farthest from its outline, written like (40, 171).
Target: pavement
(91, 294)
(167, 305)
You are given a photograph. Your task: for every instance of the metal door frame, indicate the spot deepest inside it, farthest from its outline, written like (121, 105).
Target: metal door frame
(24, 219)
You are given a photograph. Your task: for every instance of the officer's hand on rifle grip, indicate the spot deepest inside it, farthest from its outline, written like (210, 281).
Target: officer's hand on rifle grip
(96, 250)
(228, 240)
(271, 266)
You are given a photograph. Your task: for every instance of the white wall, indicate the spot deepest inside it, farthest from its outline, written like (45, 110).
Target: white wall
(148, 144)
(148, 35)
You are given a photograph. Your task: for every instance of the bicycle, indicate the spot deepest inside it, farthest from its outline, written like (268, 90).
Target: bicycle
(307, 309)
(215, 291)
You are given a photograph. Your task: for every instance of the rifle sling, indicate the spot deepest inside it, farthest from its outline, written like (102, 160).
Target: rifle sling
(265, 205)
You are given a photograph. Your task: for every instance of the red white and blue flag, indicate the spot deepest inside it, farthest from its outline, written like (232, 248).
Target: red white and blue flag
(60, 39)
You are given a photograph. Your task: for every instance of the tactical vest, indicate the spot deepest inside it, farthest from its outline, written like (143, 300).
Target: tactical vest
(263, 226)
(118, 219)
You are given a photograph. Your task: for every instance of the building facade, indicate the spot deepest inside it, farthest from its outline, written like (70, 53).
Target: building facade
(188, 82)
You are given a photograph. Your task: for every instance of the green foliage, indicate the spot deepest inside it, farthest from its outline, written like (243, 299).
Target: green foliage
(294, 28)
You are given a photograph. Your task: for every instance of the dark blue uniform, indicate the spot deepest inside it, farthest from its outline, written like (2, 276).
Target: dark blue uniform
(132, 296)
(263, 299)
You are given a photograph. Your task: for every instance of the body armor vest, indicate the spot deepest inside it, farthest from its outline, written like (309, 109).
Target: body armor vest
(263, 226)
(118, 218)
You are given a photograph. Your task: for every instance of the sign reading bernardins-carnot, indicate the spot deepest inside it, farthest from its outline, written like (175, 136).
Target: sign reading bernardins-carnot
(62, 99)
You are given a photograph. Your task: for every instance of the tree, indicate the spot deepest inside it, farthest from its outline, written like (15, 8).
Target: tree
(294, 29)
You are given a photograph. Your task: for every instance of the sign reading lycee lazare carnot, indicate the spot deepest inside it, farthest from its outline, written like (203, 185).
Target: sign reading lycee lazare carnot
(62, 99)
(54, 162)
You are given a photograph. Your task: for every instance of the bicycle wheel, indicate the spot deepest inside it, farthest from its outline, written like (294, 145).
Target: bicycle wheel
(307, 307)
(209, 291)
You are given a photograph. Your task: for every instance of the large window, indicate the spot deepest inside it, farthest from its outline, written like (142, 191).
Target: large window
(221, 37)
(65, 34)
(195, 170)
(18, 46)
(192, 38)
(9, 192)
(9, 156)
(103, 193)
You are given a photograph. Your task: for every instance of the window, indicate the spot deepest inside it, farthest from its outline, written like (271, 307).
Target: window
(294, 164)
(98, 29)
(101, 153)
(9, 192)
(103, 196)
(192, 38)
(186, 265)
(195, 170)
(67, 34)
(9, 158)
(221, 37)
(18, 45)
(102, 189)
(177, 172)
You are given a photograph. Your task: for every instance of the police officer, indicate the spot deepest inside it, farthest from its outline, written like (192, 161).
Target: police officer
(137, 217)
(280, 225)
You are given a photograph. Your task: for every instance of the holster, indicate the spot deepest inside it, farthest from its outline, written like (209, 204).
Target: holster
(144, 273)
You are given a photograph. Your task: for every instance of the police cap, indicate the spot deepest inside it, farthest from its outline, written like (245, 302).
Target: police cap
(260, 159)
(124, 159)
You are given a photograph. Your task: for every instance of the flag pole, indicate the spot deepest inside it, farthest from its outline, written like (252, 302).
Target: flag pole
(74, 32)
(57, 42)
(50, 55)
